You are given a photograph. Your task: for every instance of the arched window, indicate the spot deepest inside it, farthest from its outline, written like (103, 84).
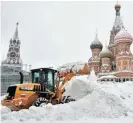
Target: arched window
(124, 67)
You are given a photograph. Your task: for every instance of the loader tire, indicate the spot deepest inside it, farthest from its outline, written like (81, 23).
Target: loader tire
(67, 99)
(39, 101)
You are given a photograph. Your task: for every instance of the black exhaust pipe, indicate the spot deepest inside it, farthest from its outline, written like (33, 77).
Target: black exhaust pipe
(21, 77)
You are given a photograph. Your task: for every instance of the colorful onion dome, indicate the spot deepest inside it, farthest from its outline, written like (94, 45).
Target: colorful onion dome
(123, 36)
(105, 53)
(96, 43)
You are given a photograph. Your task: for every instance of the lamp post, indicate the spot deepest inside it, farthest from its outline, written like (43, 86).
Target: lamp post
(25, 67)
(29, 67)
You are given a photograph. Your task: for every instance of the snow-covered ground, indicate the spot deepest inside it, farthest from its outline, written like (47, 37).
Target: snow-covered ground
(95, 102)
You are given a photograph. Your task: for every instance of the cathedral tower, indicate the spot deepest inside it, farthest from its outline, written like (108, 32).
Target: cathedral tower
(13, 55)
(106, 57)
(96, 47)
(124, 57)
(118, 25)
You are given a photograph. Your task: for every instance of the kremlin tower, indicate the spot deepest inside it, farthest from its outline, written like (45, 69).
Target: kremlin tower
(13, 54)
(12, 65)
(96, 47)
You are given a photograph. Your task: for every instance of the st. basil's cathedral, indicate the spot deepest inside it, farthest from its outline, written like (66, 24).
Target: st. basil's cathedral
(110, 62)
(116, 59)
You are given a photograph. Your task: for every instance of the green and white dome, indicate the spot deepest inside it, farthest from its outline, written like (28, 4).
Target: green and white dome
(105, 53)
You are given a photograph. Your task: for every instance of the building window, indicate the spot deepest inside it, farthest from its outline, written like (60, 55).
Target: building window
(124, 67)
(124, 62)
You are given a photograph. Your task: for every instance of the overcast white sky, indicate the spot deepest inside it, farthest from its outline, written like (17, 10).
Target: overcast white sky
(54, 33)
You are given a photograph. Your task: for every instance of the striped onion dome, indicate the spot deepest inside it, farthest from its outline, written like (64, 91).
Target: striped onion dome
(96, 43)
(105, 53)
(123, 36)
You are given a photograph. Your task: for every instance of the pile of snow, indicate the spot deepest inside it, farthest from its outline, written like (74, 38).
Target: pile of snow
(4, 110)
(77, 89)
(72, 63)
(76, 66)
(98, 100)
(43, 64)
(2, 97)
(93, 100)
(92, 77)
(124, 91)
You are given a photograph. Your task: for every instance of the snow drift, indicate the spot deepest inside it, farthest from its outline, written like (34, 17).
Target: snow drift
(94, 100)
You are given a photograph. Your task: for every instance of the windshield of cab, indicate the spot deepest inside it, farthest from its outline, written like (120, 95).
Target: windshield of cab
(50, 83)
(46, 77)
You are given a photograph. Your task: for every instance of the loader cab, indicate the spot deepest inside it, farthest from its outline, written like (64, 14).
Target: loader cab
(44, 76)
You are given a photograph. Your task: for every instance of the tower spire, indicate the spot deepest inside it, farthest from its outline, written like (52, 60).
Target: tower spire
(96, 35)
(96, 43)
(16, 32)
(105, 43)
(118, 21)
(118, 24)
(117, 8)
(13, 54)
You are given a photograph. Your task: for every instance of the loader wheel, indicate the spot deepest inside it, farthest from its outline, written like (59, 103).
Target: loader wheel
(67, 99)
(39, 101)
